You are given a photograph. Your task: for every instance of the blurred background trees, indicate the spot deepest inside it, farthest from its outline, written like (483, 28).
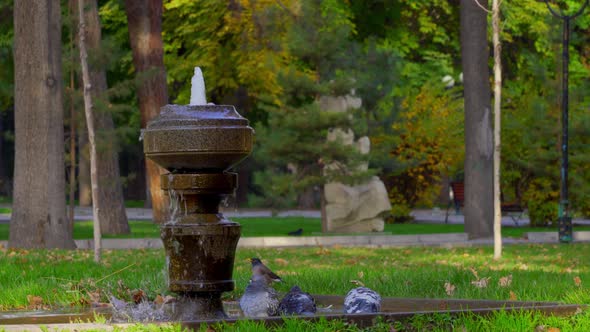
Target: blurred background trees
(273, 60)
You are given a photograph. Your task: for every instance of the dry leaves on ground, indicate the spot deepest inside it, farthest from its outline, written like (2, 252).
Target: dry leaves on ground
(281, 262)
(512, 296)
(449, 288)
(34, 301)
(577, 281)
(138, 296)
(357, 283)
(481, 283)
(505, 281)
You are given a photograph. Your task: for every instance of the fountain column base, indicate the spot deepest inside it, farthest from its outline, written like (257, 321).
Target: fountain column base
(200, 243)
(198, 306)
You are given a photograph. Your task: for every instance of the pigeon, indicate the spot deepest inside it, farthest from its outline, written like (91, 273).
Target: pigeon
(297, 302)
(297, 232)
(362, 300)
(258, 268)
(259, 299)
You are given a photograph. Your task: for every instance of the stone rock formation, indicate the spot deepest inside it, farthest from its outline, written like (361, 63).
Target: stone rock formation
(359, 208)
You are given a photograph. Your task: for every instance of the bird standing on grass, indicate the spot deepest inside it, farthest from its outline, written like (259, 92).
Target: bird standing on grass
(297, 302)
(258, 268)
(259, 299)
(362, 300)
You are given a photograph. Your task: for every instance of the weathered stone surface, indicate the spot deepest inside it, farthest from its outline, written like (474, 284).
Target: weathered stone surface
(360, 208)
(191, 137)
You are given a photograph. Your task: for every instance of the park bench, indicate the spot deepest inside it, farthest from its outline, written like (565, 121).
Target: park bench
(457, 198)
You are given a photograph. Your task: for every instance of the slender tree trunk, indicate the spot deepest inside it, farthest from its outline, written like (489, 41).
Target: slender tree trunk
(144, 19)
(479, 191)
(497, 127)
(84, 187)
(110, 191)
(72, 182)
(39, 200)
(89, 109)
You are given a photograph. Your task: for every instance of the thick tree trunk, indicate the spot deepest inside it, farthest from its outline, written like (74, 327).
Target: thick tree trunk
(39, 201)
(144, 19)
(479, 190)
(110, 191)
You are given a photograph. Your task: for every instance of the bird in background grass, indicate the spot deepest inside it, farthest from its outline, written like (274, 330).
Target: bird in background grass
(259, 269)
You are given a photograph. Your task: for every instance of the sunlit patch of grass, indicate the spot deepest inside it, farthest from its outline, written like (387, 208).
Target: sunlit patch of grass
(66, 277)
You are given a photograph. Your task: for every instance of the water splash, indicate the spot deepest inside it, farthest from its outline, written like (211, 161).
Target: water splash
(173, 207)
(143, 312)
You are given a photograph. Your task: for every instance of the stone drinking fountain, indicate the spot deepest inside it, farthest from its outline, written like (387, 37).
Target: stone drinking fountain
(197, 144)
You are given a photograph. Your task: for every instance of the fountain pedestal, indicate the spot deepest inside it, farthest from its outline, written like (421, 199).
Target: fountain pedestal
(197, 144)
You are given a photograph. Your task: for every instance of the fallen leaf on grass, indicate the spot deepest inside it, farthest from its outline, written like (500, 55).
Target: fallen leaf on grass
(481, 283)
(138, 296)
(577, 281)
(34, 301)
(322, 251)
(94, 297)
(281, 262)
(505, 281)
(512, 296)
(361, 274)
(474, 273)
(449, 288)
(357, 283)
(159, 299)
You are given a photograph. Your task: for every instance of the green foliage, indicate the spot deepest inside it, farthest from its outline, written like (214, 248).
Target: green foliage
(237, 45)
(427, 144)
(293, 144)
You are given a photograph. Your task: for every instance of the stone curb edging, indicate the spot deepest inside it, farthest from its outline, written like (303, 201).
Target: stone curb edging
(446, 240)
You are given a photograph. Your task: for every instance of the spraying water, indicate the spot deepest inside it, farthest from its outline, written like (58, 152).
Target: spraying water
(198, 88)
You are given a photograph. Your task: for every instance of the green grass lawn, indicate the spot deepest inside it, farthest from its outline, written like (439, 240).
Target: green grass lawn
(281, 226)
(539, 272)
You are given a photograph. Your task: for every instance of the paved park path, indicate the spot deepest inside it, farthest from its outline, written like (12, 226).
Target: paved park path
(431, 216)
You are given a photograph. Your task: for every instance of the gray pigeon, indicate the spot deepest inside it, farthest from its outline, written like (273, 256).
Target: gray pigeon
(258, 268)
(362, 300)
(259, 299)
(297, 302)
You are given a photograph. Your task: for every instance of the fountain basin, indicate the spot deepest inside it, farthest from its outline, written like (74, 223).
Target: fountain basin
(392, 309)
(187, 138)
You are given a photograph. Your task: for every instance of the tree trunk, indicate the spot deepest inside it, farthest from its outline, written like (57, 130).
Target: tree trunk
(110, 190)
(479, 190)
(497, 123)
(84, 189)
(144, 18)
(89, 110)
(39, 201)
